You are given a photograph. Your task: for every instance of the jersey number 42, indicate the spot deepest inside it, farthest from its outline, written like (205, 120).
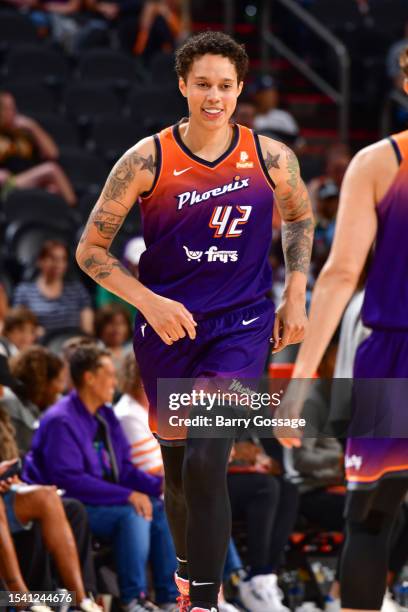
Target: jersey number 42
(225, 226)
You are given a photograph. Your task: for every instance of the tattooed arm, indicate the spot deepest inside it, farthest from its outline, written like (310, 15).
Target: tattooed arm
(132, 175)
(294, 206)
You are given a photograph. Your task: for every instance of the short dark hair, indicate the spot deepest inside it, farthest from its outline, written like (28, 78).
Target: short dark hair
(49, 245)
(403, 61)
(17, 317)
(215, 43)
(85, 358)
(107, 313)
(73, 343)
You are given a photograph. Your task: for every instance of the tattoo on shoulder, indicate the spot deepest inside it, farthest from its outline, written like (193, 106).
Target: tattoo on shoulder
(297, 241)
(124, 172)
(292, 195)
(272, 161)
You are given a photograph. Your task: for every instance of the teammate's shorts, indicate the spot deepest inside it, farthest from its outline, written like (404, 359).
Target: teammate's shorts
(382, 403)
(233, 345)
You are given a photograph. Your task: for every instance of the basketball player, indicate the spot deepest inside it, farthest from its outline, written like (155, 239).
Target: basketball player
(206, 189)
(373, 209)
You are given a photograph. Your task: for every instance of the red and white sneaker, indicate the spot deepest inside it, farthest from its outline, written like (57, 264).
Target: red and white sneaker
(184, 603)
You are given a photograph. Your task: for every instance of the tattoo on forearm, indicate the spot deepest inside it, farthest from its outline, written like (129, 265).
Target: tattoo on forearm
(107, 223)
(297, 241)
(271, 161)
(123, 173)
(101, 266)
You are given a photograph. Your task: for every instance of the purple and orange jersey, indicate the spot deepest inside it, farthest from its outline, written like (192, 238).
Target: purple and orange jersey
(208, 225)
(386, 295)
(208, 231)
(384, 354)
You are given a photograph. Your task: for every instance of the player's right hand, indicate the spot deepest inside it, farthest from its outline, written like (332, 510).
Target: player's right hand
(170, 319)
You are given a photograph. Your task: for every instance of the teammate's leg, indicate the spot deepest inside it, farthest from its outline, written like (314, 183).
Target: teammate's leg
(367, 548)
(208, 517)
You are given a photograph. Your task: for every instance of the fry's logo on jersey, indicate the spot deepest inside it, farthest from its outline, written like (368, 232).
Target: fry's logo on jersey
(193, 197)
(353, 462)
(213, 254)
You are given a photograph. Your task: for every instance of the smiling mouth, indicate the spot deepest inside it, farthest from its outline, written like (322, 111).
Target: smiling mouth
(213, 112)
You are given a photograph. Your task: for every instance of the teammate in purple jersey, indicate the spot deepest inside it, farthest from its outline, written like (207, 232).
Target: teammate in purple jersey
(206, 189)
(373, 212)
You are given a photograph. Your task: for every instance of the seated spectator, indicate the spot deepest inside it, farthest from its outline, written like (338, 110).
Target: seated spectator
(270, 119)
(27, 503)
(23, 145)
(245, 113)
(132, 413)
(113, 327)
(33, 556)
(393, 59)
(159, 27)
(57, 302)
(42, 375)
(326, 211)
(338, 157)
(80, 447)
(19, 331)
(267, 504)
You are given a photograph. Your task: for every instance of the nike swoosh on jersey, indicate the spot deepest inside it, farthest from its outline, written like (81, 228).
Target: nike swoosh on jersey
(178, 172)
(249, 321)
(194, 583)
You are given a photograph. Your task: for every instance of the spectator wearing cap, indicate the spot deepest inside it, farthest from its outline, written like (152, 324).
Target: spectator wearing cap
(326, 211)
(19, 331)
(338, 157)
(270, 119)
(80, 447)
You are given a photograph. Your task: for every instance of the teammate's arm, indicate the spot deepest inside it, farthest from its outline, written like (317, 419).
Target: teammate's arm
(132, 175)
(356, 228)
(295, 210)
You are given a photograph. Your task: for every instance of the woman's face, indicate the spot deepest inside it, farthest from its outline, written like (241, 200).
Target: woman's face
(102, 382)
(56, 387)
(116, 332)
(211, 90)
(54, 265)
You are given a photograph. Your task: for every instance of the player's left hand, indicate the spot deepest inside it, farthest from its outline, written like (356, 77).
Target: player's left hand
(290, 324)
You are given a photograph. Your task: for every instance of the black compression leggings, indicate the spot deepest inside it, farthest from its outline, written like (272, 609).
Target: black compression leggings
(198, 510)
(365, 558)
